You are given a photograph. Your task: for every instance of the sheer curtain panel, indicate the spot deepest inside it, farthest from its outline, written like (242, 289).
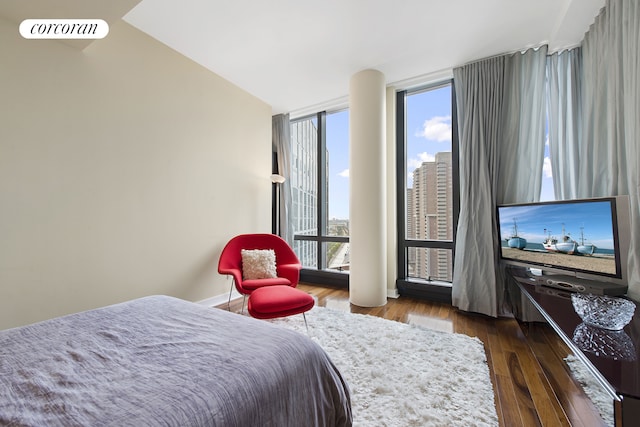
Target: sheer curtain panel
(564, 105)
(521, 148)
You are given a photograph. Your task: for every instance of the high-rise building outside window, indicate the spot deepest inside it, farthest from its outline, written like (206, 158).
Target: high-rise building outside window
(431, 217)
(304, 186)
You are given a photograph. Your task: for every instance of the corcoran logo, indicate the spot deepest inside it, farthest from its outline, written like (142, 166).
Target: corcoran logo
(64, 29)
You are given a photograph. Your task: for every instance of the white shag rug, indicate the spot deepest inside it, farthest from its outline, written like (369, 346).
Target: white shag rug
(592, 388)
(404, 375)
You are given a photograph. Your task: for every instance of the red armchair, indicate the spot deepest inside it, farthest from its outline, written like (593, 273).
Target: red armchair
(287, 263)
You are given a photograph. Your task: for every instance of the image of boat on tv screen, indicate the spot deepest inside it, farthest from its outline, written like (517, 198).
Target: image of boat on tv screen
(578, 235)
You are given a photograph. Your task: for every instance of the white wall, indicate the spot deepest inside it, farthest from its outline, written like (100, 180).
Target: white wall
(124, 169)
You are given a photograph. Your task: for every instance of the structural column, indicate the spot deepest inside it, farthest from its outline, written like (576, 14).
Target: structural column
(367, 177)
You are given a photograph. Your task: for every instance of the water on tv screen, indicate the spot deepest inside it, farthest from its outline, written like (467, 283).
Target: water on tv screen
(576, 236)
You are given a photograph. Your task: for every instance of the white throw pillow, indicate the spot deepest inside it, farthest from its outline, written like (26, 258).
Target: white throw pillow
(258, 263)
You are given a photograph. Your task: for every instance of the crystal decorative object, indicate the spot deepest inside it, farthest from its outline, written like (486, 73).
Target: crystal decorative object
(603, 311)
(615, 345)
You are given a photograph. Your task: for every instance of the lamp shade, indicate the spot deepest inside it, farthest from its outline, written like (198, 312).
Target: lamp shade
(277, 179)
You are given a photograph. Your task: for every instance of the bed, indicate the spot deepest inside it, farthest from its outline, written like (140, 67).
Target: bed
(159, 360)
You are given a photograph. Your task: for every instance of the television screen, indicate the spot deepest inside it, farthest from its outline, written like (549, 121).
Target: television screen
(579, 237)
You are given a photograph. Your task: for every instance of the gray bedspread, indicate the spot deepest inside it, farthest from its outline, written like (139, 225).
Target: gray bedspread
(161, 361)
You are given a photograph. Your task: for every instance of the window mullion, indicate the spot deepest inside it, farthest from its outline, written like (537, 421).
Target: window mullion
(322, 186)
(401, 181)
(455, 167)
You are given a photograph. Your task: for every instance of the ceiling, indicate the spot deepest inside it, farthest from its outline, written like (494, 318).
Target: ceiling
(298, 55)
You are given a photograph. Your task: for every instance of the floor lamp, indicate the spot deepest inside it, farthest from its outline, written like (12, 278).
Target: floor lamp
(277, 180)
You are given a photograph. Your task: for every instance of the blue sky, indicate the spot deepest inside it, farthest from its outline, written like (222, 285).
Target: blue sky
(532, 221)
(428, 132)
(338, 147)
(428, 127)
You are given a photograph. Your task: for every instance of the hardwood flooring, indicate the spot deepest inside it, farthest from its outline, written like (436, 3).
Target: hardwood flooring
(532, 384)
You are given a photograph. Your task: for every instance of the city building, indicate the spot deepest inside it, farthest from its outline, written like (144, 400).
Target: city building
(304, 189)
(429, 207)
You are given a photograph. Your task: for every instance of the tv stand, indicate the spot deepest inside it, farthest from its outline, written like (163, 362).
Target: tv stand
(576, 284)
(616, 365)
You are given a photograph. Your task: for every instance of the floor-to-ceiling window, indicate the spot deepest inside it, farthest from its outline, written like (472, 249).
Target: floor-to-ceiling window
(547, 192)
(320, 192)
(428, 192)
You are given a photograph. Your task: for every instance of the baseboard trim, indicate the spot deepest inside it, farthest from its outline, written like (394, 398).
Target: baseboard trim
(220, 299)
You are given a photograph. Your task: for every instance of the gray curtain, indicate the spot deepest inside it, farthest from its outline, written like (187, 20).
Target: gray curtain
(564, 106)
(610, 159)
(501, 129)
(521, 147)
(478, 89)
(281, 140)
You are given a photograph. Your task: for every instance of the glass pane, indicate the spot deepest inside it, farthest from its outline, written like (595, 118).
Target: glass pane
(547, 193)
(307, 252)
(429, 180)
(337, 140)
(429, 192)
(337, 255)
(304, 176)
(430, 264)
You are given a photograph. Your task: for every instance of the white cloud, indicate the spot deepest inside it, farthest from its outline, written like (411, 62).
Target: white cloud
(422, 157)
(546, 168)
(436, 129)
(344, 173)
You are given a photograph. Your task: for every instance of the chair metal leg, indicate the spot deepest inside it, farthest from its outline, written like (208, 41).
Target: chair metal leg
(244, 297)
(305, 322)
(230, 291)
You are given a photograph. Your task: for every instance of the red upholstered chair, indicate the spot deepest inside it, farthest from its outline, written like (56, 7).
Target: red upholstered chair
(287, 263)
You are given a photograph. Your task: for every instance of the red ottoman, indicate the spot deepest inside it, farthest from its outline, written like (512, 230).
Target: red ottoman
(278, 301)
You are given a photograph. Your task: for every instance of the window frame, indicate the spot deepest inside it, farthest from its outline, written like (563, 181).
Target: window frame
(411, 286)
(322, 274)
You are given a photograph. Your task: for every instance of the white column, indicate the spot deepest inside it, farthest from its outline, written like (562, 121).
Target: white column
(367, 177)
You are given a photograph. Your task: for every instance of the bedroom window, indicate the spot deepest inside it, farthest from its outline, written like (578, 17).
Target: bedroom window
(547, 192)
(428, 195)
(320, 190)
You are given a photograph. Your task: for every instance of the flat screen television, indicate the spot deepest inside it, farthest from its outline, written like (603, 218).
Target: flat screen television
(582, 238)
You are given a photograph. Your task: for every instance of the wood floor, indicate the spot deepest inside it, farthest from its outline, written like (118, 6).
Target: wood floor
(532, 384)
